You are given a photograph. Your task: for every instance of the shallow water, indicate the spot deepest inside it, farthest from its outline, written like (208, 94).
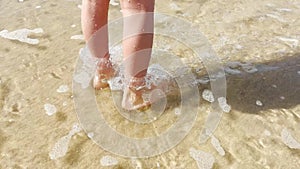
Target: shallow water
(261, 34)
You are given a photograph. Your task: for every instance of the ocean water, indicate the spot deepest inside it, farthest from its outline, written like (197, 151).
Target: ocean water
(257, 41)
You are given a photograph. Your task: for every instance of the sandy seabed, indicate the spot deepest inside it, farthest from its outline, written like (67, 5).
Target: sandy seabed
(261, 130)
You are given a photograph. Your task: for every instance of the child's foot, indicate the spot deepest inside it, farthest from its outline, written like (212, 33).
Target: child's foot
(104, 72)
(140, 94)
(133, 95)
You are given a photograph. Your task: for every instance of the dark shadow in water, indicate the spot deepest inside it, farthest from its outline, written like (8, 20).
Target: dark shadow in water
(276, 88)
(3, 139)
(73, 155)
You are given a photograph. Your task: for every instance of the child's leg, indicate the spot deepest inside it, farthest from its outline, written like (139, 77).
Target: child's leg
(138, 18)
(94, 18)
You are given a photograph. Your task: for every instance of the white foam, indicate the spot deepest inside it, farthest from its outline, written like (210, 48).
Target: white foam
(83, 78)
(208, 95)
(204, 160)
(232, 71)
(77, 37)
(216, 144)
(86, 73)
(293, 43)
(233, 68)
(21, 35)
(276, 17)
(273, 85)
(203, 80)
(258, 103)
(289, 140)
(238, 46)
(50, 109)
(136, 163)
(108, 161)
(65, 103)
(249, 68)
(174, 6)
(267, 133)
(113, 3)
(62, 89)
(284, 9)
(61, 146)
(177, 111)
(223, 104)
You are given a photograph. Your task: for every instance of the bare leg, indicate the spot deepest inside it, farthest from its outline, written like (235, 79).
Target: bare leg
(94, 18)
(137, 45)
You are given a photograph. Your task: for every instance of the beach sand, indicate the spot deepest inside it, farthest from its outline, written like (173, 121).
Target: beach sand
(265, 103)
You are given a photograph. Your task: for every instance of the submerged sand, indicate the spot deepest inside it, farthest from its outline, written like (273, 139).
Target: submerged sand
(261, 130)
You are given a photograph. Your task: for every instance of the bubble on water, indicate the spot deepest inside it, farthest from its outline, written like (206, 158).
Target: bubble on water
(282, 97)
(21, 0)
(38, 7)
(77, 37)
(61, 146)
(298, 72)
(157, 165)
(73, 26)
(289, 140)
(108, 161)
(238, 46)
(177, 111)
(216, 144)
(21, 35)
(223, 104)
(258, 103)
(50, 109)
(65, 103)
(208, 95)
(90, 134)
(62, 89)
(79, 6)
(204, 160)
(267, 133)
(113, 3)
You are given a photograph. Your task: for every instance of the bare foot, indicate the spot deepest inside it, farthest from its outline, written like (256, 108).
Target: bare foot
(133, 95)
(104, 72)
(138, 95)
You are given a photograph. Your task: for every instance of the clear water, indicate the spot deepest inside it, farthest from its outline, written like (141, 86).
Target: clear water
(258, 42)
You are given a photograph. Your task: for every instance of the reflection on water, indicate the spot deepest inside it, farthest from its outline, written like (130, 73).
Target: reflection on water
(257, 40)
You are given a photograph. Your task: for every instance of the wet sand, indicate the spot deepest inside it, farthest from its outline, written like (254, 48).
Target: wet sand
(264, 33)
